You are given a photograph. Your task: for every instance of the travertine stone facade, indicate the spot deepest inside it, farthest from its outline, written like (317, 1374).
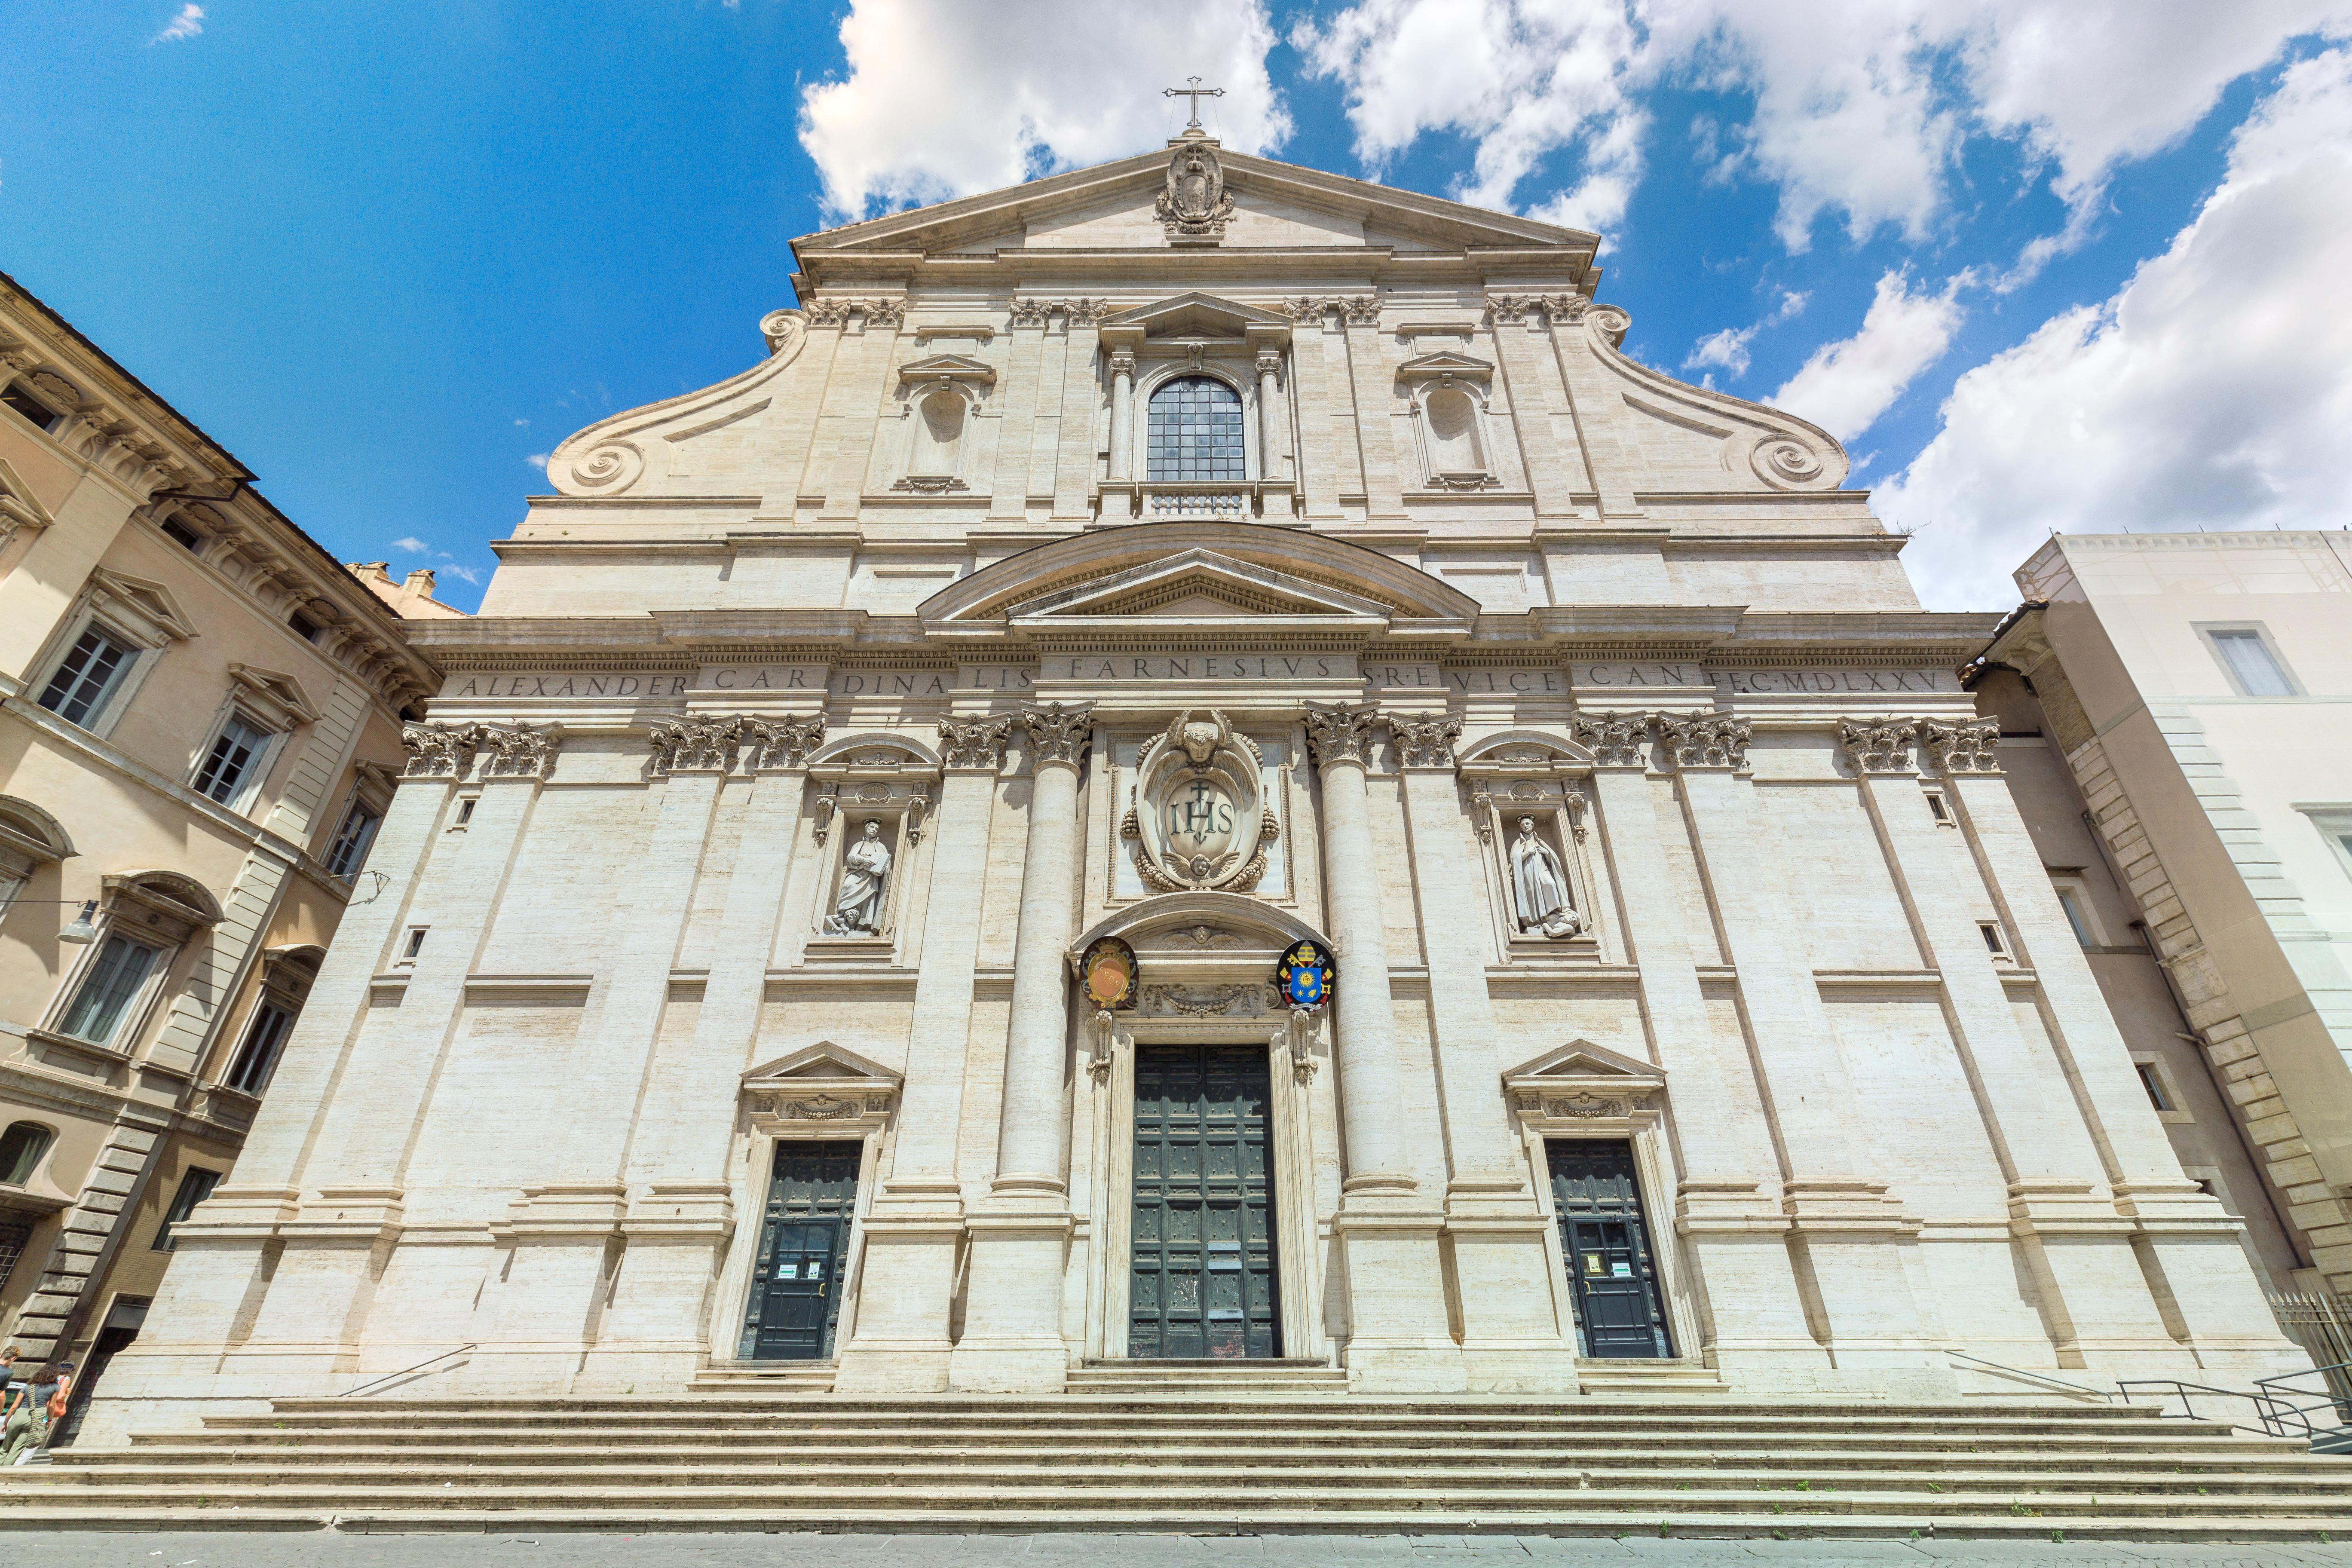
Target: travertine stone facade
(821, 721)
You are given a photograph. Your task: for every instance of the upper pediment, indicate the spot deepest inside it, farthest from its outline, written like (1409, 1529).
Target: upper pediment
(1195, 315)
(1110, 207)
(1196, 571)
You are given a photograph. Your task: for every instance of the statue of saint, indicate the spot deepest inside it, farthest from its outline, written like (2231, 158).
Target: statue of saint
(858, 908)
(1540, 887)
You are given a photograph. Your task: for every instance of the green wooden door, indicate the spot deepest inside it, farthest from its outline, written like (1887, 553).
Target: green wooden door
(1203, 1283)
(796, 1283)
(1620, 1310)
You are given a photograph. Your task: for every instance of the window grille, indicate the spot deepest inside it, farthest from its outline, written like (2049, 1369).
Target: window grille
(1194, 432)
(13, 1241)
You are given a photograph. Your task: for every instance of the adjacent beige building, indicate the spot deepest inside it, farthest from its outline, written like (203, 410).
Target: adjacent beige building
(2192, 691)
(863, 905)
(199, 731)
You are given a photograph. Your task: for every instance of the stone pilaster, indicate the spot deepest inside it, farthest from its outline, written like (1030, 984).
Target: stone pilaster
(2216, 1304)
(1511, 1339)
(1373, 382)
(1850, 1228)
(1398, 1337)
(1020, 1234)
(1732, 1232)
(916, 1223)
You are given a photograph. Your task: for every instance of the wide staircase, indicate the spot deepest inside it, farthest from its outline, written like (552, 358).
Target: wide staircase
(1141, 1446)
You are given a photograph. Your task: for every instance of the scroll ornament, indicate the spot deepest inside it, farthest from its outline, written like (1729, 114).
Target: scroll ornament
(779, 743)
(1058, 733)
(1969, 747)
(974, 743)
(521, 750)
(1426, 742)
(693, 745)
(1705, 740)
(1878, 745)
(437, 750)
(1338, 734)
(1614, 738)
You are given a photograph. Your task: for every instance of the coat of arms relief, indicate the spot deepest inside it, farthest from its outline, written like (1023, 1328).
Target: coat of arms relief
(1198, 818)
(1195, 206)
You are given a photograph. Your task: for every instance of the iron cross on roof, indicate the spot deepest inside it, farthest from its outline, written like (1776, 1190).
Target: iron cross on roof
(1196, 92)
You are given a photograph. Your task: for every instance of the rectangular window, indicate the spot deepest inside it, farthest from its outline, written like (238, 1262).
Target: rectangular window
(181, 534)
(43, 417)
(92, 668)
(230, 764)
(304, 626)
(121, 968)
(2070, 901)
(2251, 663)
(265, 1036)
(195, 1188)
(1991, 934)
(2149, 1081)
(349, 851)
(415, 943)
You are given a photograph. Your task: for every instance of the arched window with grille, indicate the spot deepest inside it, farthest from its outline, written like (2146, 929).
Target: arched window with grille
(1194, 432)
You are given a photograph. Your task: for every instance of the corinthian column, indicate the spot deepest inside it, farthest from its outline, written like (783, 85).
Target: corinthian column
(1398, 1338)
(1012, 1336)
(1122, 414)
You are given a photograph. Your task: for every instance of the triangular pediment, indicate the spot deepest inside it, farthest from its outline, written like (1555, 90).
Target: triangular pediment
(1582, 1064)
(947, 367)
(1112, 203)
(1197, 315)
(1445, 361)
(1198, 584)
(823, 1062)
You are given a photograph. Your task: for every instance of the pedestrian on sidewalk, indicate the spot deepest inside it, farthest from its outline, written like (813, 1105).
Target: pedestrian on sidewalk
(50, 1391)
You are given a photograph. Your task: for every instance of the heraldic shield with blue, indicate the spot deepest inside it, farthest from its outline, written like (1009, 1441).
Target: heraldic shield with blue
(1306, 976)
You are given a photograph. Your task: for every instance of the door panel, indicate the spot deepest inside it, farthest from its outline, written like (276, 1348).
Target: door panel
(1202, 1237)
(796, 1283)
(1619, 1307)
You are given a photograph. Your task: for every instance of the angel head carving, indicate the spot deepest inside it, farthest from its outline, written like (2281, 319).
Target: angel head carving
(1199, 742)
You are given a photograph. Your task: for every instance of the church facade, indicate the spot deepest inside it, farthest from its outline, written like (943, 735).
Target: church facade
(1197, 767)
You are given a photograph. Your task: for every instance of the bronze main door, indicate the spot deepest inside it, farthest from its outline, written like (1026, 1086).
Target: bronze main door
(1203, 1283)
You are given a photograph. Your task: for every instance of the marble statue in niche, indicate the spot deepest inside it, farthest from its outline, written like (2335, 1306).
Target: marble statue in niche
(1540, 886)
(865, 868)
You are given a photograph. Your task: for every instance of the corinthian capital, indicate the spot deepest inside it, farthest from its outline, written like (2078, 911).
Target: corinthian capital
(974, 743)
(779, 743)
(1339, 733)
(1613, 738)
(1705, 740)
(1426, 742)
(1878, 745)
(521, 750)
(694, 745)
(1972, 746)
(1058, 734)
(440, 751)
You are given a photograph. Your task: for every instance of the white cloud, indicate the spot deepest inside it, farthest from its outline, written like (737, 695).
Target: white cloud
(1861, 107)
(187, 25)
(455, 568)
(1847, 385)
(1729, 347)
(945, 98)
(539, 460)
(412, 545)
(2214, 390)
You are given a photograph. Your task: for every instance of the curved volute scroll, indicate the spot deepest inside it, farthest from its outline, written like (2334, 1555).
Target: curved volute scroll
(610, 458)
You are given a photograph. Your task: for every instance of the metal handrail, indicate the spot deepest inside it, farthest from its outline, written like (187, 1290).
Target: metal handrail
(2276, 1411)
(403, 1371)
(2088, 1392)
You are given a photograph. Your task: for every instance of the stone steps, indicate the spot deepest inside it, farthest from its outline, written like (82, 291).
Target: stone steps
(1633, 1377)
(1181, 1459)
(774, 1376)
(1206, 1379)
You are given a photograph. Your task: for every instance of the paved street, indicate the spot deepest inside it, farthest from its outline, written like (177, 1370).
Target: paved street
(557, 1550)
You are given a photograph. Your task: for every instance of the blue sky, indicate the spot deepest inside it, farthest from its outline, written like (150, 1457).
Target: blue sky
(388, 255)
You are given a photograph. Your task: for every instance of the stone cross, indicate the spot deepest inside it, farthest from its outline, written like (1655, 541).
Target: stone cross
(1196, 92)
